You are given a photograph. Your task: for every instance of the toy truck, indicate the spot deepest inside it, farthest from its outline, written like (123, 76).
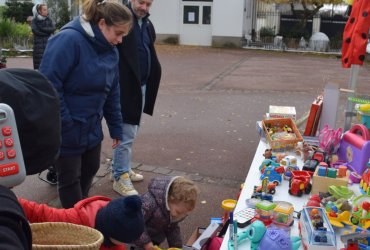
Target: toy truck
(300, 183)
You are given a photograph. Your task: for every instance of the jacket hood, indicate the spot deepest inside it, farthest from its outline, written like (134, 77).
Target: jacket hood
(159, 188)
(91, 32)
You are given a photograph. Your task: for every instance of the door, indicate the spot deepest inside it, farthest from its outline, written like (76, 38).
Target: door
(196, 23)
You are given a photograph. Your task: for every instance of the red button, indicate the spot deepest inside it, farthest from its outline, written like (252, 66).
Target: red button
(10, 153)
(8, 142)
(2, 155)
(1, 144)
(7, 130)
(9, 169)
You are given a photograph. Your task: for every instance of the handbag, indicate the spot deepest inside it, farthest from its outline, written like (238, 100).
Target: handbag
(329, 139)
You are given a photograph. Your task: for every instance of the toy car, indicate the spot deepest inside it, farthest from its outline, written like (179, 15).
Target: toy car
(317, 157)
(274, 174)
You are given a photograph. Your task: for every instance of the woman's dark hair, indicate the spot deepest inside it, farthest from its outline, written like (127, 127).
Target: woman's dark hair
(112, 12)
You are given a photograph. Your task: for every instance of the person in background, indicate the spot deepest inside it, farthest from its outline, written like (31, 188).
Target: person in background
(81, 61)
(42, 28)
(140, 74)
(167, 202)
(119, 220)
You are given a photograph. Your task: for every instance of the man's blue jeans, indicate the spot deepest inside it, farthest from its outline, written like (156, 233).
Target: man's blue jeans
(122, 154)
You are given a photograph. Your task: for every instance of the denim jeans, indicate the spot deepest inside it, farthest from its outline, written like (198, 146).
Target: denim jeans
(122, 154)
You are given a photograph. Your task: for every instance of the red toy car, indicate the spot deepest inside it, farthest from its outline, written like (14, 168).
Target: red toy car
(299, 183)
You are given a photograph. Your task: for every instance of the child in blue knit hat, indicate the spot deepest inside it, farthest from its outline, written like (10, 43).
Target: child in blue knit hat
(119, 220)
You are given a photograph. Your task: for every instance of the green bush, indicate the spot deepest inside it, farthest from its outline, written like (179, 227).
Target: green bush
(267, 32)
(6, 28)
(22, 30)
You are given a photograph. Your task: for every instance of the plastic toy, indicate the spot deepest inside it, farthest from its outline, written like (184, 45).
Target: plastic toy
(317, 157)
(322, 183)
(264, 212)
(299, 183)
(337, 218)
(316, 230)
(266, 238)
(267, 163)
(365, 180)
(265, 191)
(273, 173)
(290, 164)
(340, 192)
(270, 189)
(355, 147)
(283, 214)
(228, 206)
(361, 214)
(353, 241)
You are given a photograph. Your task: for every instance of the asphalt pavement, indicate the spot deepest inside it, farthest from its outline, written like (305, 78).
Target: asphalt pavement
(205, 117)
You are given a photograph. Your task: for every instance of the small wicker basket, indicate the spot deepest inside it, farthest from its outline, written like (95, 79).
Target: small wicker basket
(61, 235)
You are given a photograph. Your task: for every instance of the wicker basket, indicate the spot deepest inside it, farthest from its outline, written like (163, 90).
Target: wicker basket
(281, 145)
(61, 235)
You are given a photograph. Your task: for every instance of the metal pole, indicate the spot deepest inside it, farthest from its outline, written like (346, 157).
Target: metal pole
(352, 84)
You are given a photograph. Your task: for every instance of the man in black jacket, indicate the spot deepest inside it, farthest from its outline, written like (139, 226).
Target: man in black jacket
(140, 74)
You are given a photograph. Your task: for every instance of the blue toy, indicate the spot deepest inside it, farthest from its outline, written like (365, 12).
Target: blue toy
(263, 238)
(273, 174)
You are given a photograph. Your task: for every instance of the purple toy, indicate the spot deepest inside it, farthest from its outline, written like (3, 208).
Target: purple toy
(355, 147)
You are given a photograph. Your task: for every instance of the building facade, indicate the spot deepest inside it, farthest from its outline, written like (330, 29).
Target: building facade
(203, 22)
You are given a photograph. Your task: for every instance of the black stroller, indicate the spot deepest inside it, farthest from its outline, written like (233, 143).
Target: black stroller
(36, 107)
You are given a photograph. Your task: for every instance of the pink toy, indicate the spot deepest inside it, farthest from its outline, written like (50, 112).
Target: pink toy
(355, 147)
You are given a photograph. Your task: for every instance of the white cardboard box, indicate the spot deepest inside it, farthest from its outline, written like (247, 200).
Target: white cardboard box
(282, 112)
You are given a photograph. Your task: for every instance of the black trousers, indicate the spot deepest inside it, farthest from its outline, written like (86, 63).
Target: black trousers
(75, 175)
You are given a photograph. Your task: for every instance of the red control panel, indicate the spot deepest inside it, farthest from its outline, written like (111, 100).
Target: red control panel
(7, 153)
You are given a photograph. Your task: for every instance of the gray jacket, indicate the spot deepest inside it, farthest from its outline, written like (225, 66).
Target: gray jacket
(158, 225)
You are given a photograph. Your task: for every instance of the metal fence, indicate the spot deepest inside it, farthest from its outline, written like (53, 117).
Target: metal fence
(284, 33)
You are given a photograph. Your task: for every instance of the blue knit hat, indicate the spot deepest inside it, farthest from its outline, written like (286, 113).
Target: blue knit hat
(122, 219)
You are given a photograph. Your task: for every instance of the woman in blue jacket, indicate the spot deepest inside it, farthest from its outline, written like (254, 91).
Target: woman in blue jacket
(81, 61)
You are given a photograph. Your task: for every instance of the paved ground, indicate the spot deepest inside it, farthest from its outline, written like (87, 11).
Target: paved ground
(204, 121)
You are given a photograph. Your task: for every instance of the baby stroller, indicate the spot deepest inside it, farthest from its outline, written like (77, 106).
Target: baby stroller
(36, 108)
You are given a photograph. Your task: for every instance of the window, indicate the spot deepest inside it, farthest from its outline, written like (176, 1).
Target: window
(206, 15)
(191, 14)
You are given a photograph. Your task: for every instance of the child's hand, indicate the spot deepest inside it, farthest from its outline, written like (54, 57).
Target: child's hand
(150, 246)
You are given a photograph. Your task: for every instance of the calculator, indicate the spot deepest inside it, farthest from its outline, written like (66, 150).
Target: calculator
(244, 217)
(12, 169)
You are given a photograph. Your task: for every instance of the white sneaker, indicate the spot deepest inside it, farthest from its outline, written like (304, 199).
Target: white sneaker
(124, 186)
(135, 176)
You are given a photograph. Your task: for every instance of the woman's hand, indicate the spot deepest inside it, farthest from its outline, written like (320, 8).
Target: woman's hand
(116, 142)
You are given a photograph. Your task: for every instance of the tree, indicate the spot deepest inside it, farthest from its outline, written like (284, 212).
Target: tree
(59, 12)
(309, 8)
(18, 10)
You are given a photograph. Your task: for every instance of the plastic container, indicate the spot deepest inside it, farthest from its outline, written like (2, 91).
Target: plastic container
(282, 124)
(316, 230)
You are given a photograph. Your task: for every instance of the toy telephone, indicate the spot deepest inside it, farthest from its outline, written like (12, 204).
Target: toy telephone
(12, 169)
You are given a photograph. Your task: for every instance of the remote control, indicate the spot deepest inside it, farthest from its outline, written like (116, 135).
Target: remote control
(12, 169)
(244, 217)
